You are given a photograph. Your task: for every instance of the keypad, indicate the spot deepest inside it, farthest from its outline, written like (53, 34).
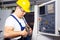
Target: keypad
(47, 23)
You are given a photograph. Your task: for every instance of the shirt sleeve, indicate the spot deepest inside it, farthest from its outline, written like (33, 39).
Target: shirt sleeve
(9, 22)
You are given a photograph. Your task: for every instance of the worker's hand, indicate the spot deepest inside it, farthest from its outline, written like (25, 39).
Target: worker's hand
(24, 33)
(30, 32)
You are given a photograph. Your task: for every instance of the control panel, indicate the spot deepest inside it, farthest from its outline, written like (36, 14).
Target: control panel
(47, 14)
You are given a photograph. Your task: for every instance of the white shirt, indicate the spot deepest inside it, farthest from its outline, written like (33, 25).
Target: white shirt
(11, 22)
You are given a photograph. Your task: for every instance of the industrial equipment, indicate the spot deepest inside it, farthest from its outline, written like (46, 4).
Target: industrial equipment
(47, 14)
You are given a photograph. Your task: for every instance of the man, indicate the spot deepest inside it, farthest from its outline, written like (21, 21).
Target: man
(16, 26)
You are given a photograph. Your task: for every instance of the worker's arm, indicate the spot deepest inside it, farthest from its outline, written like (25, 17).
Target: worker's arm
(10, 33)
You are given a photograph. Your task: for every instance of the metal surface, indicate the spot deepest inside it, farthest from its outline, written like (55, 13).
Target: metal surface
(7, 3)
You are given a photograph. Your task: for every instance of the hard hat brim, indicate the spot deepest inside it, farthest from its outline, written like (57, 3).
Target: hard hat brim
(26, 10)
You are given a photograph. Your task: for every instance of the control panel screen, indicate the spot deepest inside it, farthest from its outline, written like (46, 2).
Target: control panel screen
(42, 10)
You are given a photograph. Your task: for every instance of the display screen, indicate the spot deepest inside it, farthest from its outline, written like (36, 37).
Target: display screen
(42, 10)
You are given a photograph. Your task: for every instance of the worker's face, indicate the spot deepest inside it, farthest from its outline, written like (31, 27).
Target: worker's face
(21, 11)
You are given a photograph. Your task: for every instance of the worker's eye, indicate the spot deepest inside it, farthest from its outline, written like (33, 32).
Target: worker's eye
(22, 10)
